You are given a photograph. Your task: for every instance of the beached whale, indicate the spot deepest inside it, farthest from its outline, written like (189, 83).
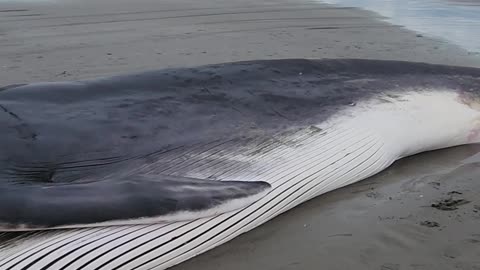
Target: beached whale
(146, 170)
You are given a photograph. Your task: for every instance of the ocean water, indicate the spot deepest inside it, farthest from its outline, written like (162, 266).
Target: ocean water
(456, 21)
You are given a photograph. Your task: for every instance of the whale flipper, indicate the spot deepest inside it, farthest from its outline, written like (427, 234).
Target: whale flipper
(161, 198)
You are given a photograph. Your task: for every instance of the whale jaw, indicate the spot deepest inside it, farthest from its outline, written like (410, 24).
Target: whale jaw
(418, 120)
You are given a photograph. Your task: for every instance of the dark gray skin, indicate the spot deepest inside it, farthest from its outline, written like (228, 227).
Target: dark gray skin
(74, 152)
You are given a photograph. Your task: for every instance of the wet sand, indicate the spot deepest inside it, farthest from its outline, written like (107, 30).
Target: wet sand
(68, 41)
(386, 222)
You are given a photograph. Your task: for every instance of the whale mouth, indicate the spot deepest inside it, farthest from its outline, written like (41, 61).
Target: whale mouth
(419, 119)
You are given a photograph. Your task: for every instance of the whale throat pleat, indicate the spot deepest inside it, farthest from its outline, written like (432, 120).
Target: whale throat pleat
(304, 166)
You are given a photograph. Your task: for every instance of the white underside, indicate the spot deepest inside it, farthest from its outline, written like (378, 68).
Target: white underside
(355, 144)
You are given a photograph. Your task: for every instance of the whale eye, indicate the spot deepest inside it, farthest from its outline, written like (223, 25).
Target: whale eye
(26, 174)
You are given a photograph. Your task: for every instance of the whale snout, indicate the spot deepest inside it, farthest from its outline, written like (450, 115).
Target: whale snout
(471, 99)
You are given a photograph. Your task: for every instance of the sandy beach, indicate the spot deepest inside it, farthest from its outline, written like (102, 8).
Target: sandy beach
(423, 213)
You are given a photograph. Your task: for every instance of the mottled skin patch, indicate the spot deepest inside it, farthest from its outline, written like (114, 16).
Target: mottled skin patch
(471, 98)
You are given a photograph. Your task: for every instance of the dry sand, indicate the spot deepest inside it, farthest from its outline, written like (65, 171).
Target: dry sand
(386, 222)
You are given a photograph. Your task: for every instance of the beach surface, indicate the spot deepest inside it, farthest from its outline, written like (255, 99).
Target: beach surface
(423, 213)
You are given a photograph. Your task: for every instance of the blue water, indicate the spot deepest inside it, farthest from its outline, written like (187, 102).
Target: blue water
(456, 21)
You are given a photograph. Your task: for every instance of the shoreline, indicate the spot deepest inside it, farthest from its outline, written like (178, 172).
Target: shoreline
(384, 222)
(447, 20)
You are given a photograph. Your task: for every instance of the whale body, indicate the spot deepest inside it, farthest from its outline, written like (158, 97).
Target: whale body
(146, 170)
